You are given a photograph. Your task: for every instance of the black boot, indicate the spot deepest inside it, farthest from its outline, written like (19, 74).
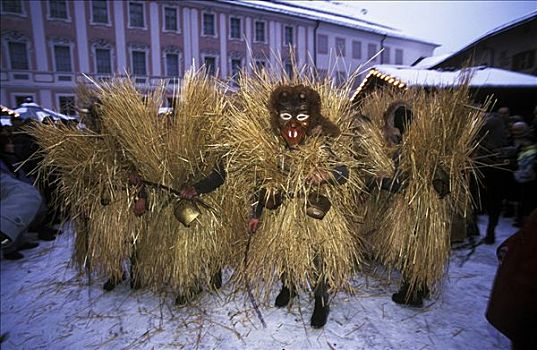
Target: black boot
(415, 299)
(14, 255)
(284, 297)
(216, 280)
(111, 283)
(490, 238)
(321, 310)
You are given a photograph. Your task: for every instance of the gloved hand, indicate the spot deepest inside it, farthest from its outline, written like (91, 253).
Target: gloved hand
(253, 224)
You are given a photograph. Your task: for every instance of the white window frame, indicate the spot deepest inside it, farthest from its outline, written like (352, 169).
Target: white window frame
(131, 59)
(6, 42)
(109, 23)
(370, 55)
(325, 52)
(353, 43)
(241, 29)
(216, 62)
(215, 35)
(386, 55)
(21, 14)
(58, 104)
(284, 35)
(68, 19)
(402, 56)
(179, 62)
(266, 31)
(230, 66)
(177, 15)
(107, 46)
(54, 43)
(340, 53)
(129, 2)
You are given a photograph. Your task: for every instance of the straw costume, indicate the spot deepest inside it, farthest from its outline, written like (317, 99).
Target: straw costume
(172, 154)
(92, 192)
(291, 154)
(429, 138)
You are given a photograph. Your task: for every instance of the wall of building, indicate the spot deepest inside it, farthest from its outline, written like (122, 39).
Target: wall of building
(84, 37)
(514, 49)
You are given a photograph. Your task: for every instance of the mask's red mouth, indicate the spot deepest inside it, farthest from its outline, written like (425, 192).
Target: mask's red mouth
(293, 135)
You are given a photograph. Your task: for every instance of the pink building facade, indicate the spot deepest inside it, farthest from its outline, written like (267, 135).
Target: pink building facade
(47, 46)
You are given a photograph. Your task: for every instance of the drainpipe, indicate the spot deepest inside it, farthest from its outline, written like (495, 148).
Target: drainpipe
(317, 23)
(382, 47)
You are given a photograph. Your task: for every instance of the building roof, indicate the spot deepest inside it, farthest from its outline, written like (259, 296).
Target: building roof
(479, 77)
(337, 13)
(496, 31)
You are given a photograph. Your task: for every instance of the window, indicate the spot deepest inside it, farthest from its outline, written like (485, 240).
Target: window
(235, 28)
(322, 44)
(11, 6)
(170, 19)
(398, 56)
(138, 63)
(58, 9)
(235, 68)
(288, 39)
(210, 65)
(99, 11)
(62, 58)
(136, 15)
(524, 60)
(260, 64)
(385, 55)
(172, 65)
(18, 55)
(67, 105)
(371, 51)
(260, 31)
(208, 24)
(103, 61)
(356, 49)
(340, 47)
(20, 99)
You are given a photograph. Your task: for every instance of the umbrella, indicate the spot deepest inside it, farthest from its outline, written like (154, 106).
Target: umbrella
(31, 110)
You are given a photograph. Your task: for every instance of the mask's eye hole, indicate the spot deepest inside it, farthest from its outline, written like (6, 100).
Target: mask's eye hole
(286, 116)
(301, 117)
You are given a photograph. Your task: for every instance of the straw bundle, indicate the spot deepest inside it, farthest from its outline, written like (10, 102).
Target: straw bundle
(88, 169)
(413, 234)
(289, 243)
(173, 151)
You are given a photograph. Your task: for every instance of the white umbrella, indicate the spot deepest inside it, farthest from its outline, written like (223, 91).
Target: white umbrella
(34, 111)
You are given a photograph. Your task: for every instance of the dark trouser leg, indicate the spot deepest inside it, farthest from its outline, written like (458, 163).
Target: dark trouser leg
(135, 282)
(494, 182)
(322, 308)
(216, 280)
(285, 295)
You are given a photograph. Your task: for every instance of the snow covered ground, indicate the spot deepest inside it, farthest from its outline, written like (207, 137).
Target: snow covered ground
(46, 305)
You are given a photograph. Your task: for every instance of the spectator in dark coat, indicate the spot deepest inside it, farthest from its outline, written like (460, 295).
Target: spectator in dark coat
(512, 306)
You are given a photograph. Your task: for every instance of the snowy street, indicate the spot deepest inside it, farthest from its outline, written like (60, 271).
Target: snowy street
(46, 305)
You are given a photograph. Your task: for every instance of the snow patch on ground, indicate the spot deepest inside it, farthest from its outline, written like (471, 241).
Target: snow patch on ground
(46, 305)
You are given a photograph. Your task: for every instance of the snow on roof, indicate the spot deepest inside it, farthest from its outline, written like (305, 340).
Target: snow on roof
(337, 13)
(493, 32)
(428, 62)
(482, 77)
